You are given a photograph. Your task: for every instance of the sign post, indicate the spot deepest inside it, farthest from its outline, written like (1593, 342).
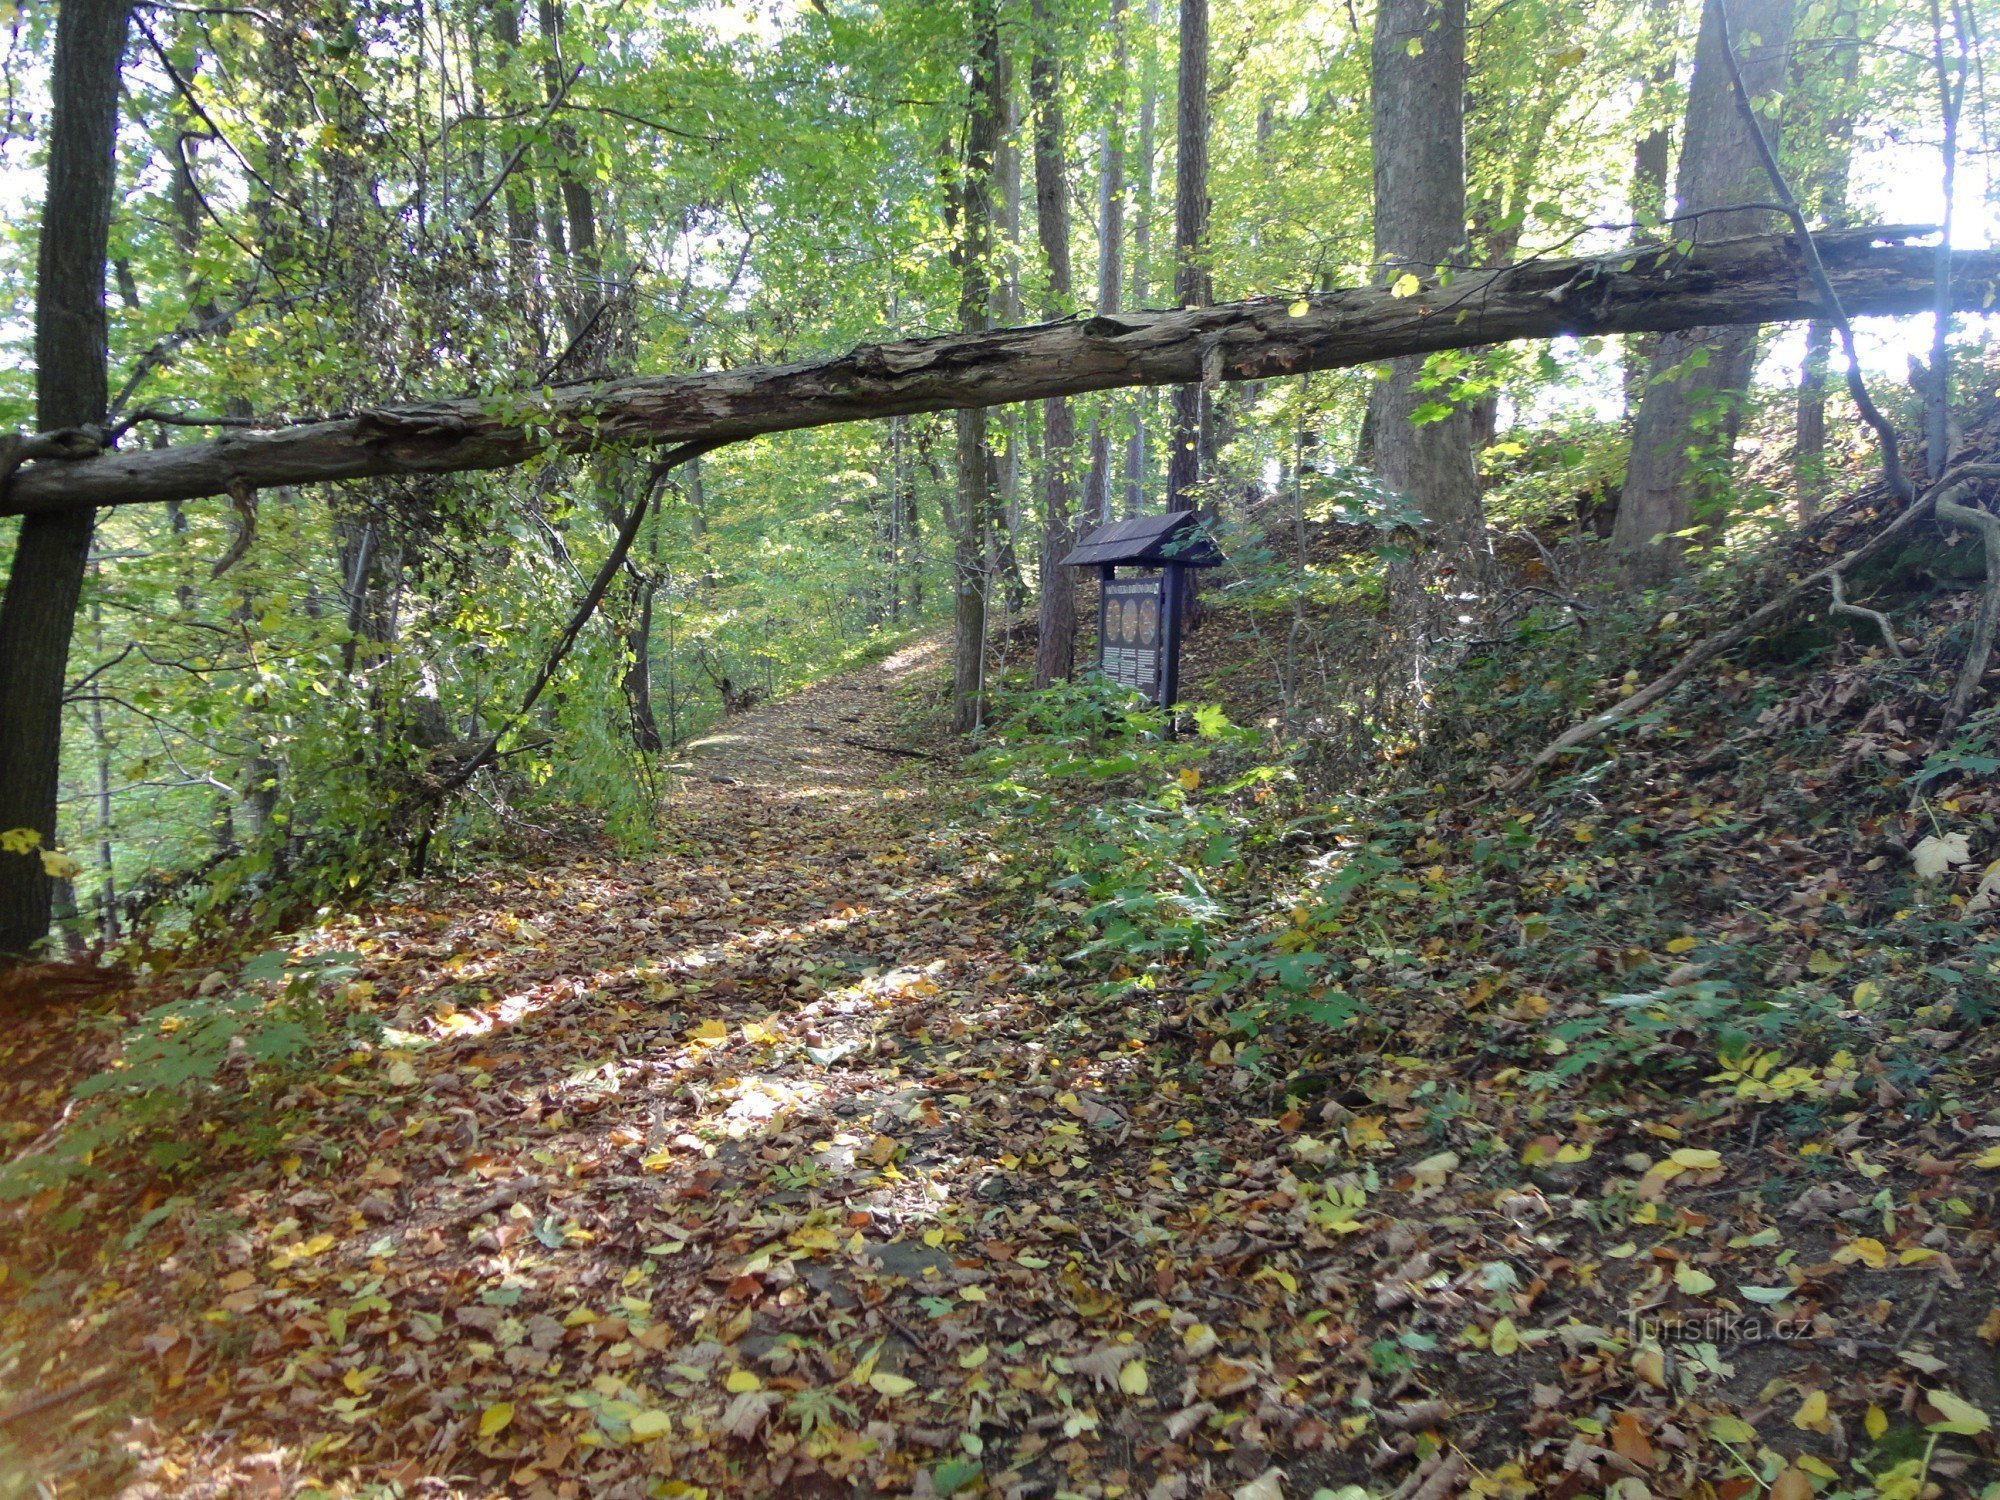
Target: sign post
(1139, 616)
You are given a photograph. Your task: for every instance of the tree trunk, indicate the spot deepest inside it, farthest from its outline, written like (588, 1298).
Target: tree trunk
(1055, 648)
(38, 614)
(1418, 83)
(1809, 472)
(517, 193)
(1136, 458)
(975, 254)
(1685, 433)
(1110, 256)
(1650, 157)
(1755, 280)
(1004, 525)
(1192, 284)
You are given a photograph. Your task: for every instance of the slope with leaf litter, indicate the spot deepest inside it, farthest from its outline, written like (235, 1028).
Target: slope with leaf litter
(1140, 1129)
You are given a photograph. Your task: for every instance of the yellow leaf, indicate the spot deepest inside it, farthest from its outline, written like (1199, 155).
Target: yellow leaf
(1566, 1154)
(1696, 1160)
(59, 866)
(1989, 1159)
(1405, 285)
(1506, 1337)
(1190, 778)
(495, 1418)
(1818, 1468)
(1729, 1429)
(1132, 1379)
(20, 840)
(1299, 308)
(1693, 1280)
(1960, 1416)
(1877, 1422)
(974, 1357)
(934, 1238)
(356, 1381)
(1871, 1253)
(712, 1031)
(739, 1381)
(1650, 1365)
(1680, 944)
(651, 1424)
(1811, 1415)
(972, 1293)
(1198, 1339)
(891, 1385)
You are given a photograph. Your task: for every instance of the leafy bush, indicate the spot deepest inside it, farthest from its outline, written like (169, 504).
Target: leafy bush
(189, 1054)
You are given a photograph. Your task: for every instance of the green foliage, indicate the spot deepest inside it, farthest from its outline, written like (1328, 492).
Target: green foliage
(195, 1062)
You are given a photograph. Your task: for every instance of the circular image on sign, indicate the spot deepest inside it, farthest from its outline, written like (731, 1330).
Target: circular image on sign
(1149, 622)
(1127, 623)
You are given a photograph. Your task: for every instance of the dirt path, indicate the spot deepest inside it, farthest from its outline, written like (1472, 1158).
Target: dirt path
(840, 735)
(686, 1175)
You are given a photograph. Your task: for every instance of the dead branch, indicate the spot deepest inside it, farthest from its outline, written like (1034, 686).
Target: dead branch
(48, 1399)
(580, 617)
(1758, 279)
(887, 749)
(243, 500)
(1953, 511)
(1840, 606)
(1713, 646)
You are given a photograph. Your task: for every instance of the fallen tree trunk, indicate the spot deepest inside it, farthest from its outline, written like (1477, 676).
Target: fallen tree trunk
(1756, 280)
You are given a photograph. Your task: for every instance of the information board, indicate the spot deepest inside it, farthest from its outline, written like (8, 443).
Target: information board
(1128, 649)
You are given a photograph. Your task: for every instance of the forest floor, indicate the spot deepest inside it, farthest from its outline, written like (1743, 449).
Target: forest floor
(771, 1164)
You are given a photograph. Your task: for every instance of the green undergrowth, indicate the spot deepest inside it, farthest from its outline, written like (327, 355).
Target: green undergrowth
(1728, 901)
(192, 1079)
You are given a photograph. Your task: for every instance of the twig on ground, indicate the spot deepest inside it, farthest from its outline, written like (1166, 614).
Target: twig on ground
(41, 1403)
(1952, 511)
(1707, 650)
(1861, 612)
(886, 749)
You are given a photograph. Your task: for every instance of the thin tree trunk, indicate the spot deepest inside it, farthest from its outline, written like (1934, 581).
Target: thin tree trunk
(1055, 650)
(639, 647)
(52, 550)
(1110, 256)
(1685, 434)
(975, 252)
(1004, 526)
(1192, 284)
(1809, 468)
(1418, 93)
(517, 193)
(1650, 158)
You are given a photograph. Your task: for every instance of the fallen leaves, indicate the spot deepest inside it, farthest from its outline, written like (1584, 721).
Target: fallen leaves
(781, 1163)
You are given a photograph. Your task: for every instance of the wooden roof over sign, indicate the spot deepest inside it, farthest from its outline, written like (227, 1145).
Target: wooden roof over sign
(1175, 537)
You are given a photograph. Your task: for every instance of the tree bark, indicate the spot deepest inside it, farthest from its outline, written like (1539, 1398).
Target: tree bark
(974, 466)
(1417, 72)
(1651, 156)
(1685, 433)
(1193, 286)
(1760, 279)
(1143, 404)
(38, 613)
(1055, 646)
(1809, 473)
(1110, 257)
